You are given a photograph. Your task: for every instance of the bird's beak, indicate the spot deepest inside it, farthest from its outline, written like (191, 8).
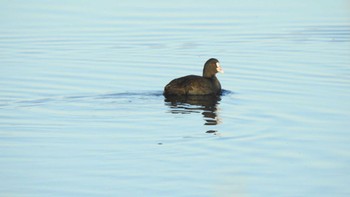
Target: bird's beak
(218, 68)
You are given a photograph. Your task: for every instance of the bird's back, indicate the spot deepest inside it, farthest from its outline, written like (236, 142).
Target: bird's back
(191, 85)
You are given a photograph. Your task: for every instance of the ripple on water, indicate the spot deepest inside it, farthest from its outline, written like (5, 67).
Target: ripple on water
(81, 98)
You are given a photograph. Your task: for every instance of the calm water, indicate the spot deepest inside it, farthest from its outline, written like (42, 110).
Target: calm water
(82, 111)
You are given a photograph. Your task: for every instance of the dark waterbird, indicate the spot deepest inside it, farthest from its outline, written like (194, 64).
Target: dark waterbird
(208, 84)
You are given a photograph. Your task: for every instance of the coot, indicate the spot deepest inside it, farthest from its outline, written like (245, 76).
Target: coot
(197, 85)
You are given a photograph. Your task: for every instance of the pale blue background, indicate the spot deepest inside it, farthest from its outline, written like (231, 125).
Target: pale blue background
(81, 110)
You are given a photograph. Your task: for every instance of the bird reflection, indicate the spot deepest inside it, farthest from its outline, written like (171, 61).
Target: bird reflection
(206, 105)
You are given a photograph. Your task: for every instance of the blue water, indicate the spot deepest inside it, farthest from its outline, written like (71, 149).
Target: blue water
(82, 111)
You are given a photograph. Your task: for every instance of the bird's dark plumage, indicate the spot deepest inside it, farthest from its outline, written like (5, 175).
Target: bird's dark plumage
(197, 85)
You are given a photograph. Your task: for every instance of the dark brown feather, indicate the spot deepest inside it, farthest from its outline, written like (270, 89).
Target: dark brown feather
(196, 85)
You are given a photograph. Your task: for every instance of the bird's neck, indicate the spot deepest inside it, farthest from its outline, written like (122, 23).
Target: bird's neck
(216, 83)
(208, 75)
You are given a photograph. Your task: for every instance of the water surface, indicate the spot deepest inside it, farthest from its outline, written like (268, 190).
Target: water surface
(82, 111)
